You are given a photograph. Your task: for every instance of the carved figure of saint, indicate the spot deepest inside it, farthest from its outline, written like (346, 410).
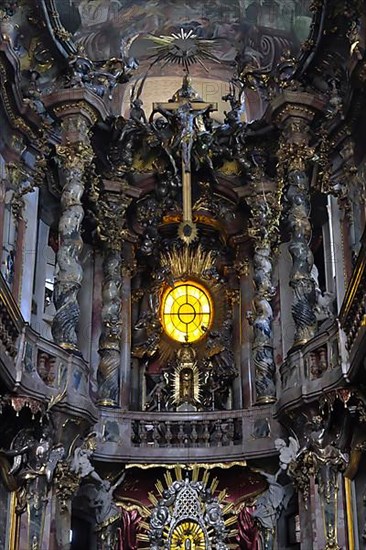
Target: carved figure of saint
(186, 385)
(186, 378)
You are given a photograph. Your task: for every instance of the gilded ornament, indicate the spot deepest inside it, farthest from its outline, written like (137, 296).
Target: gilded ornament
(66, 484)
(187, 231)
(75, 155)
(242, 267)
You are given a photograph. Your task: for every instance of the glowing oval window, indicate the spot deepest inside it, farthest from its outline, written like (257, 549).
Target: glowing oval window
(186, 312)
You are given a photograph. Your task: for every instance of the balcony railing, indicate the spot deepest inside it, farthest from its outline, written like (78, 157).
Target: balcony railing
(171, 437)
(353, 312)
(319, 365)
(34, 367)
(11, 322)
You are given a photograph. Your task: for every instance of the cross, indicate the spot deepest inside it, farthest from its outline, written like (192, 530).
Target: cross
(184, 110)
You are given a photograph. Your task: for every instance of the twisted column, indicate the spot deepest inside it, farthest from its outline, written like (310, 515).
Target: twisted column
(298, 218)
(110, 340)
(294, 114)
(78, 109)
(264, 227)
(74, 157)
(111, 217)
(294, 155)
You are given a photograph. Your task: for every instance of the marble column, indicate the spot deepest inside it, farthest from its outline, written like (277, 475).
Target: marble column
(264, 229)
(328, 494)
(65, 486)
(73, 157)
(242, 268)
(127, 272)
(111, 337)
(306, 523)
(116, 317)
(29, 254)
(78, 109)
(294, 164)
(301, 280)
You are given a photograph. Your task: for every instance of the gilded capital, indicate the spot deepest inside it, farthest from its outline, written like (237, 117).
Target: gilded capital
(66, 484)
(111, 219)
(242, 267)
(76, 155)
(294, 156)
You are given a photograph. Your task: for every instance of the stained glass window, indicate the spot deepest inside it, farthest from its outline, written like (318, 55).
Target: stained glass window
(186, 311)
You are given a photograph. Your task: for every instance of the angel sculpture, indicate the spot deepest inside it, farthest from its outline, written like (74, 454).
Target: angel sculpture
(270, 504)
(103, 503)
(287, 453)
(80, 462)
(35, 461)
(33, 457)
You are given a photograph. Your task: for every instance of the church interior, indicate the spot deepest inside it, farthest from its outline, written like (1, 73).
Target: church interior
(183, 275)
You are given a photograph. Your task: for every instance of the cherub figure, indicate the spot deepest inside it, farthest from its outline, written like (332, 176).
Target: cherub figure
(287, 453)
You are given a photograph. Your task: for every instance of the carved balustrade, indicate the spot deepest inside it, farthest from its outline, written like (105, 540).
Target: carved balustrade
(353, 312)
(36, 367)
(10, 321)
(319, 365)
(211, 432)
(177, 436)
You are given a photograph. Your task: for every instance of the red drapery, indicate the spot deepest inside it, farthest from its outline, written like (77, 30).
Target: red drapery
(129, 529)
(248, 535)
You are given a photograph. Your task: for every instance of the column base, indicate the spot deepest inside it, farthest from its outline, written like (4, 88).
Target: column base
(265, 400)
(107, 403)
(70, 347)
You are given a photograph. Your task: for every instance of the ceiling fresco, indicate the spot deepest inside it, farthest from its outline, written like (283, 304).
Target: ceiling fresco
(262, 29)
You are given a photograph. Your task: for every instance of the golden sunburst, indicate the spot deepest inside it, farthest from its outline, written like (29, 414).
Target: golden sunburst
(198, 266)
(189, 262)
(183, 48)
(188, 534)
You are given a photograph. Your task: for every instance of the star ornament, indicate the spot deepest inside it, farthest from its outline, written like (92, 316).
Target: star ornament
(183, 48)
(187, 232)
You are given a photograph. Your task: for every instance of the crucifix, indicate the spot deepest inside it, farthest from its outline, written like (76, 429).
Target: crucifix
(185, 112)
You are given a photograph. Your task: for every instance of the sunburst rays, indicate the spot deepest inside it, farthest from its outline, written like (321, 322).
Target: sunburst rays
(188, 262)
(189, 528)
(198, 265)
(188, 532)
(183, 48)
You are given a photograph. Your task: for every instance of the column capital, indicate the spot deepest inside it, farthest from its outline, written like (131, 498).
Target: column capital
(300, 105)
(75, 154)
(79, 102)
(111, 219)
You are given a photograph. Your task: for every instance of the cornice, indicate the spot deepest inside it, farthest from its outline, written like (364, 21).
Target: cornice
(61, 38)
(21, 117)
(76, 101)
(299, 104)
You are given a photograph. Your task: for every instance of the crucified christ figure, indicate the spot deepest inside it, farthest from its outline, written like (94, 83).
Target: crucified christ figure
(183, 120)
